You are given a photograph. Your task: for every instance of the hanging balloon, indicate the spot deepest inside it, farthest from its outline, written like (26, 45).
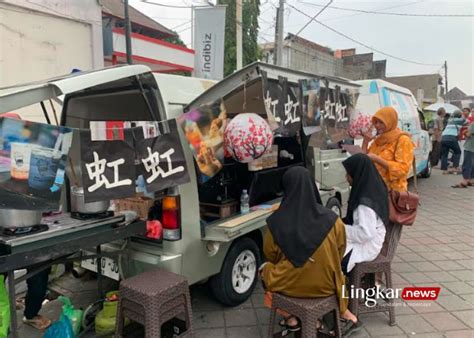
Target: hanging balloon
(247, 137)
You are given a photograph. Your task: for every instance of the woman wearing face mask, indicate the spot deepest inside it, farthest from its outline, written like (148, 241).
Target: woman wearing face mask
(367, 212)
(391, 149)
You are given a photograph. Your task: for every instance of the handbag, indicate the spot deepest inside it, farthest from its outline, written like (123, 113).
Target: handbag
(403, 205)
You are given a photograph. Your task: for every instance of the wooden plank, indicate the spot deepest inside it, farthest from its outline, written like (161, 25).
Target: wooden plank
(244, 218)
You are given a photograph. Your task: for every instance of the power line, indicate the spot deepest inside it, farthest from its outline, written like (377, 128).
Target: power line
(391, 13)
(314, 17)
(171, 6)
(361, 43)
(180, 25)
(379, 9)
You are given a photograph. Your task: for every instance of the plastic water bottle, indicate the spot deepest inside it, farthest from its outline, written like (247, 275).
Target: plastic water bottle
(244, 202)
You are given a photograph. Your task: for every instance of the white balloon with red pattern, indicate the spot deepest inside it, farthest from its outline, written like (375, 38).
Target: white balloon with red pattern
(247, 137)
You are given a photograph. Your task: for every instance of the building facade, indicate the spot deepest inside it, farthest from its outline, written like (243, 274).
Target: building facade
(148, 41)
(305, 55)
(46, 38)
(427, 88)
(460, 99)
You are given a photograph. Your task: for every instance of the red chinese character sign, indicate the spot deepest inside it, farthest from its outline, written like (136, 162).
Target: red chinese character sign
(247, 137)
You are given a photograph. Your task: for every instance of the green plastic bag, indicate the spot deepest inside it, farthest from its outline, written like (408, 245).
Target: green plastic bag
(4, 308)
(74, 315)
(106, 318)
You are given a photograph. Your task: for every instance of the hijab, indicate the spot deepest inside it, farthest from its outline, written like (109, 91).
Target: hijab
(368, 187)
(301, 223)
(389, 117)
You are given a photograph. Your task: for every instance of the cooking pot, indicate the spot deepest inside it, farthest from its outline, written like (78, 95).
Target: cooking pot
(78, 204)
(16, 218)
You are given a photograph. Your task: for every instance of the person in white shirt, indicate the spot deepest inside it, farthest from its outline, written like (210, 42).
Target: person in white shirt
(367, 212)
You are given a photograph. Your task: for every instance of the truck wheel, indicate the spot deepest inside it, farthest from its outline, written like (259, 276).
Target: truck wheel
(426, 173)
(335, 206)
(236, 281)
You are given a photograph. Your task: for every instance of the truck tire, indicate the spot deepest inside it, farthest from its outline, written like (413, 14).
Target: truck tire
(238, 277)
(426, 173)
(334, 205)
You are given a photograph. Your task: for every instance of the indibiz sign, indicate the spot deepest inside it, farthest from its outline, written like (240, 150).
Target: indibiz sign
(209, 38)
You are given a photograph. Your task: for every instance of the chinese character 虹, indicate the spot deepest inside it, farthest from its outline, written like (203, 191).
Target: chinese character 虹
(290, 111)
(96, 170)
(152, 164)
(270, 106)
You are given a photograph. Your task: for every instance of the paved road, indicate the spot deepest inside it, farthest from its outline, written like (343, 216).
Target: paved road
(437, 251)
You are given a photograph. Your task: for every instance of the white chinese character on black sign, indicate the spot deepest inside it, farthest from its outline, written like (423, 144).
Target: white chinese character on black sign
(270, 106)
(96, 172)
(291, 111)
(152, 165)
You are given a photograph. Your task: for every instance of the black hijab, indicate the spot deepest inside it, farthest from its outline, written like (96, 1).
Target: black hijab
(368, 187)
(301, 223)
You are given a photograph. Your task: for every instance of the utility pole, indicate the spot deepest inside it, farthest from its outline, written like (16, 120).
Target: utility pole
(238, 28)
(446, 78)
(128, 34)
(277, 60)
(192, 25)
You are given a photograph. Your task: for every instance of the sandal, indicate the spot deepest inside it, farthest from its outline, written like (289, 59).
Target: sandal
(460, 185)
(324, 329)
(38, 322)
(349, 327)
(289, 328)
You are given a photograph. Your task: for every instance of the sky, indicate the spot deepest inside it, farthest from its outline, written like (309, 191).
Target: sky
(426, 40)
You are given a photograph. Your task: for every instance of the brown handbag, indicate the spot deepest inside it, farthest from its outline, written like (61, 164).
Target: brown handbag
(403, 205)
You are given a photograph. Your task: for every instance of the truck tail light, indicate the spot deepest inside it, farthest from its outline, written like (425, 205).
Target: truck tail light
(171, 218)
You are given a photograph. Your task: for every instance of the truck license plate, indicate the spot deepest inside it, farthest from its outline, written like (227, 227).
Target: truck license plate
(109, 266)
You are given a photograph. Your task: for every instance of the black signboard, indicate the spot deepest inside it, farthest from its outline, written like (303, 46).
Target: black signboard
(326, 109)
(108, 167)
(282, 105)
(162, 161)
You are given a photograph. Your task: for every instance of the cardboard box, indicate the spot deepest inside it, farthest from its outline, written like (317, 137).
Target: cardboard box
(140, 204)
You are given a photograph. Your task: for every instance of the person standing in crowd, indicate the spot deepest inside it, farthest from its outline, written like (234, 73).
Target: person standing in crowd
(468, 162)
(450, 142)
(304, 246)
(367, 212)
(466, 112)
(470, 119)
(437, 130)
(391, 149)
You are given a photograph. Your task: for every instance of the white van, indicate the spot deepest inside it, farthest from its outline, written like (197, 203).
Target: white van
(227, 251)
(375, 94)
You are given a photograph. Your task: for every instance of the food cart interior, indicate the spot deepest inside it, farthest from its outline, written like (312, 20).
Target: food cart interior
(223, 191)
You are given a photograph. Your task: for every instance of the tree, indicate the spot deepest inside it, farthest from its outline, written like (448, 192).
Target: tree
(250, 49)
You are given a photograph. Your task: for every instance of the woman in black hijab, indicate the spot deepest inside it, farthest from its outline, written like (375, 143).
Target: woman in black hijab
(367, 212)
(304, 246)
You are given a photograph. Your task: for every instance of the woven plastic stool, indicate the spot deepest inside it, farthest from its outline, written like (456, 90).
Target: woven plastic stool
(153, 298)
(383, 264)
(308, 310)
